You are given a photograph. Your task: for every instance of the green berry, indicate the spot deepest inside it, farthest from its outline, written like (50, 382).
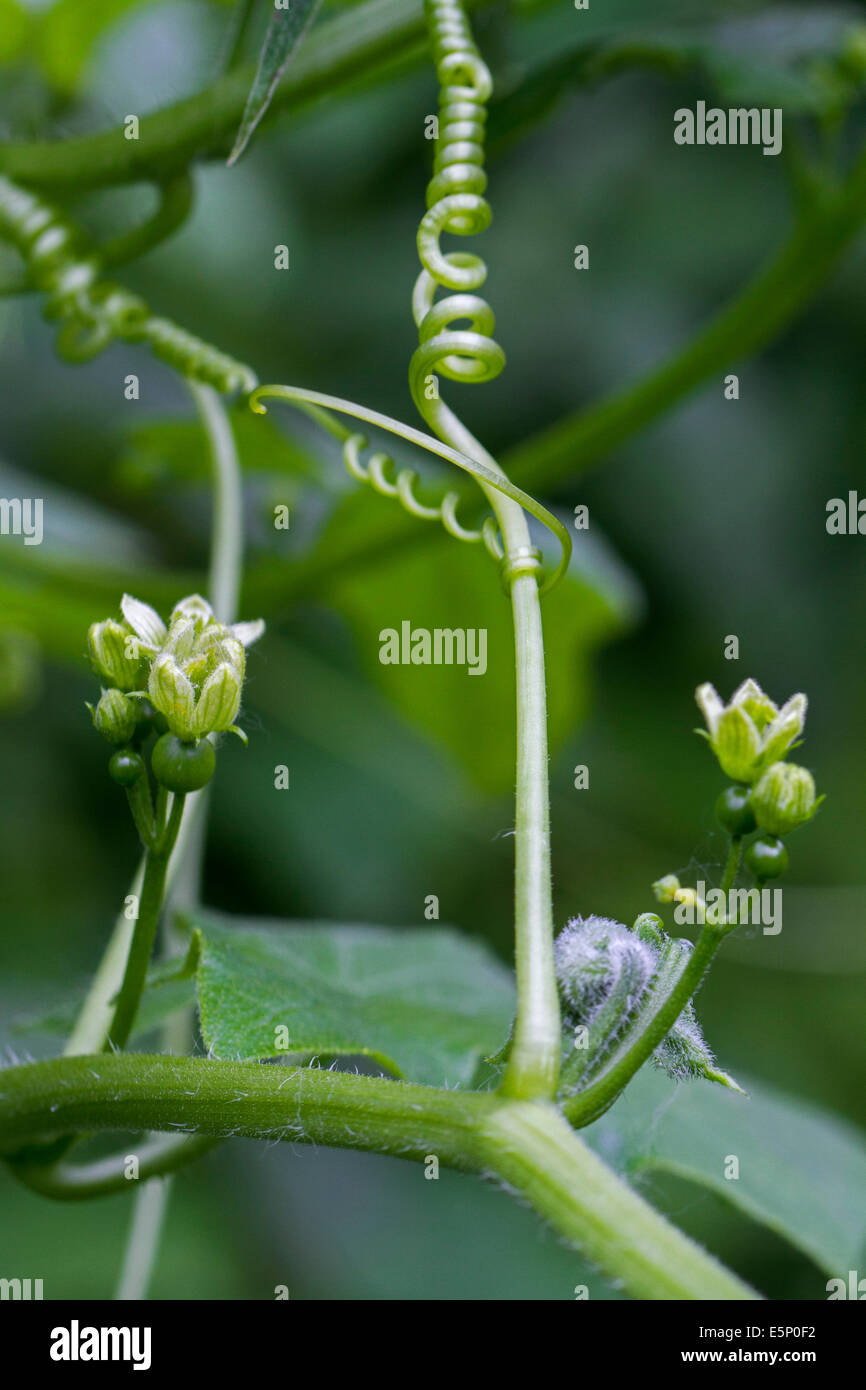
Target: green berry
(767, 857)
(734, 813)
(125, 767)
(182, 767)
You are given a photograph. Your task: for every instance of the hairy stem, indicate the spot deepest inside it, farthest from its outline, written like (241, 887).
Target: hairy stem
(524, 1144)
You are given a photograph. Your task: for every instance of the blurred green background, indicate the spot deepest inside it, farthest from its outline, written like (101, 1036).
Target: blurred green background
(711, 522)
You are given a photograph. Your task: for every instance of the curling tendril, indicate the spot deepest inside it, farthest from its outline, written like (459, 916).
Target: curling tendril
(91, 312)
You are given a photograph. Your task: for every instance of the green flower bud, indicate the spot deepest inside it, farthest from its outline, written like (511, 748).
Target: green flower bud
(192, 669)
(750, 732)
(784, 798)
(116, 716)
(116, 655)
(172, 694)
(666, 888)
(219, 701)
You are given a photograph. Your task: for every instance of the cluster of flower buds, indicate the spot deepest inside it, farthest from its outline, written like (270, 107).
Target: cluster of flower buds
(609, 978)
(182, 680)
(751, 738)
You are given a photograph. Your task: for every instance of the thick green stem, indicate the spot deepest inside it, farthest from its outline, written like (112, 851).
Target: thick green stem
(538, 1156)
(525, 1145)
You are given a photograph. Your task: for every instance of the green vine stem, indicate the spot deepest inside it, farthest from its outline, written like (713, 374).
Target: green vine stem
(162, 1157)
(754, 317)
(356, 44)
(535, 1053)
(483, 471)
(105, 1177)
(227, 531)
(139, 1257)
(144, 933)
(456, 205)
(173, 208)
(525, 1145)
(781, 289)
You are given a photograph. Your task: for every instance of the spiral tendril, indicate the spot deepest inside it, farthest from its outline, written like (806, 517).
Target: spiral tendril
(91, 312)
(403, 488)
(322, 407)
(455, 203)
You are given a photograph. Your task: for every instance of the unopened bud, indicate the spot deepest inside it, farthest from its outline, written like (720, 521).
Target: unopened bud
(116, 716)
(784, 798)
(115, 654)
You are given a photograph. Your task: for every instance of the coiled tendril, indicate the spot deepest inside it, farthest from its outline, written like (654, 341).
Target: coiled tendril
(91, 312)
(455, 203)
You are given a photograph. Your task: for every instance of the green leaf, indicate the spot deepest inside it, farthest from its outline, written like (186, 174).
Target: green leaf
(426, 1003)
(802, 1171)
(162, 453)
(285, 31)
(68, 33)
(441, 583)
